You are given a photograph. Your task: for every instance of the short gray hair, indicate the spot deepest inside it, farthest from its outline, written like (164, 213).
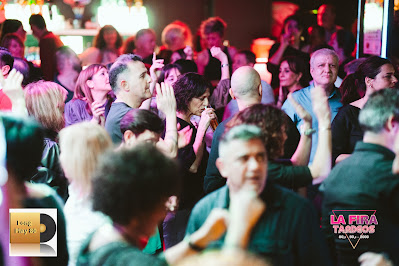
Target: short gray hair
(324, 51)
(120, 67)
(379, 107)
(241, 132)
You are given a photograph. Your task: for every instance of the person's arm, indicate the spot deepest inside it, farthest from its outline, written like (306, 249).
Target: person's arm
(302, 153)
(199, 143)
(278, 55)
(13, 89)
(166, 102)
(156, 65)
(213, 228)
(340, 135)
(213, 179)
(321, 165)
(222, 57)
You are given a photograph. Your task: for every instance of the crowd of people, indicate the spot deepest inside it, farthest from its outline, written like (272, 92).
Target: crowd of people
(126, 144)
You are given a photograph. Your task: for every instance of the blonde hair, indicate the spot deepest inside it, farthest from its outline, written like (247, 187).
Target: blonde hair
(81, 146)
(176, 32)
(45, 102)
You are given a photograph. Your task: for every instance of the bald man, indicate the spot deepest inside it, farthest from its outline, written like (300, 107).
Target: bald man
(246, 89)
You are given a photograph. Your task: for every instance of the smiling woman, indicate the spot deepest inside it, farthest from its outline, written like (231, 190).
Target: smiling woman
(91, 100)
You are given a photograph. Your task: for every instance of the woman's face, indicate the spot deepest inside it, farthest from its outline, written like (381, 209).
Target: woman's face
(214, 39)
(110, 37)
(384, 79)
(291, 28)
(16, 49)
(173, 75)
(198, 104)
(100, 81)
(287, 77)
(21, 33)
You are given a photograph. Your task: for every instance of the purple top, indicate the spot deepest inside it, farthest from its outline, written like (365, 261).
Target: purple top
(75, 111)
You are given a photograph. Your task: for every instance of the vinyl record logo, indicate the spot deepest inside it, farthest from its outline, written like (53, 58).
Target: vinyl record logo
(30, 229)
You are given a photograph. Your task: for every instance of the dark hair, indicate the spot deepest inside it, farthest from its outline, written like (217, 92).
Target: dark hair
(249, 56)
(213, 25)
(61, 56)
(142, 32)
(23, 68)
(353, 86)
(128, 45)
(38, 21)
(124, 190)
(166, 70)
(9, 26)
(346, 41)
(187, 87)
(99, 41)
(140, 120)
(298, 65)
(6, 40)
(270, 119)
(295, 18)
(187, 66)
(25, 142)
(119, 66)
(6, 59)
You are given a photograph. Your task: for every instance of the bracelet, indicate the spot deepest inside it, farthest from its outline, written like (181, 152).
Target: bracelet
(324, 128)
(193, 246)
(224, 65)
(308, 132)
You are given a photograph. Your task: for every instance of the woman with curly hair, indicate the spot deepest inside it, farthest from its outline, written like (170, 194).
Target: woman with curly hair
(273, 123)
(192, 98)
(106, 47)
(91, 101)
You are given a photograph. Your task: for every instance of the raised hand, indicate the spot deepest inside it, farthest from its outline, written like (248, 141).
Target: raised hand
(166, 101)
(302, 113)
(245, 210)
(156, 65)
(219, 54)
(12, 85)
(321, 108)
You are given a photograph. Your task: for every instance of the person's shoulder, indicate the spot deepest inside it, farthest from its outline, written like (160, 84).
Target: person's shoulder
(290, 198)
(216, 199)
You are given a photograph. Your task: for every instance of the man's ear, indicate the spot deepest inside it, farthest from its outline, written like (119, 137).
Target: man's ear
(5, 70)
(222, 167)
(128, 136)
(391, 124)
(260, 89)
(232, 94)
(124, 85)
